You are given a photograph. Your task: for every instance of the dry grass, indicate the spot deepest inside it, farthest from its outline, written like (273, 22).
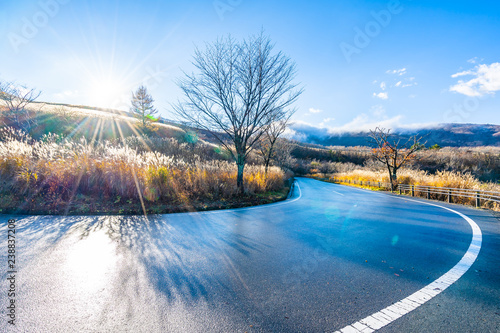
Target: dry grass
(417, 177)
(58, 171)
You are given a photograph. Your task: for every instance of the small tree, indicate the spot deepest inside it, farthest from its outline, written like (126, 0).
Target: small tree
(142, 107)
(282, 155)
(240, 90)
(267, 143)
(17, 99)
(391, 152)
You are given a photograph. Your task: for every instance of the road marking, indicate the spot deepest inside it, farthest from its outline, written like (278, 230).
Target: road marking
(273, 204)
(410, 303)
(285, 202)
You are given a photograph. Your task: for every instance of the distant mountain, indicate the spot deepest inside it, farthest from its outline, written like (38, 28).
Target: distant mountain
(445, 135)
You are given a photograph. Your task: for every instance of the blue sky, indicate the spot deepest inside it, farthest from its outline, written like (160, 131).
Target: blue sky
(362, 63)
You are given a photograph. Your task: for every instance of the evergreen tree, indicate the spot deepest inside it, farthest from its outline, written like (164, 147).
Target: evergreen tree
(142, 106)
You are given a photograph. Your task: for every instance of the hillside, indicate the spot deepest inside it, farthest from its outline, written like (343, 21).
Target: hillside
(445, 135)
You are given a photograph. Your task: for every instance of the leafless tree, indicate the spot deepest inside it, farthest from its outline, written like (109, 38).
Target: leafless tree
(283, 153)
(142, 106)
(240, 89)
(391, 152)
(267, 143)
(17, 99)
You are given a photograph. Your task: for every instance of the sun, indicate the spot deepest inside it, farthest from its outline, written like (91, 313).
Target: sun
(109, 92)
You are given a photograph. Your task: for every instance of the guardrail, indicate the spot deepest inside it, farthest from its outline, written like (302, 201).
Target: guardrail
(452, 195)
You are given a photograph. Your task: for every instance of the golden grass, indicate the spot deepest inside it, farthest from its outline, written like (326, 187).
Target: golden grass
(417, 177)
(59, 170)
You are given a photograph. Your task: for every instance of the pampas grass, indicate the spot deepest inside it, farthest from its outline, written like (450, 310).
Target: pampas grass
(59, 169)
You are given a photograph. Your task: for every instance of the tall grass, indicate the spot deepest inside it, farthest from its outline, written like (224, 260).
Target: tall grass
(59, 170)
(451, 179)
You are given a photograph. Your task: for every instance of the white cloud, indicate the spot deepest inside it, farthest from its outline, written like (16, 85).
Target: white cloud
(401, 71)
(464, 73)
(486, 80)
(364, 123)
(382, 85)
(474, 60)
(406, 82)
(312, 110)
(382, 95)
(325, 121)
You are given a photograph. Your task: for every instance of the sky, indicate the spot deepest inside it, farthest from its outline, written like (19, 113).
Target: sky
(397, 64)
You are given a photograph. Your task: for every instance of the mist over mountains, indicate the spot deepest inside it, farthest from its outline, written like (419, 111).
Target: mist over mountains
(445, 135)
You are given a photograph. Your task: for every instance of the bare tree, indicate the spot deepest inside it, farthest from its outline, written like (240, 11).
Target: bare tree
(391, 152)
(142, 106)
(240, 90)
(17, 98)
(282, 155)
(267, 143)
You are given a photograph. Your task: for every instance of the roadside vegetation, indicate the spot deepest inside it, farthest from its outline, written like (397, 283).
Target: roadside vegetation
(134, 175)
(465, 168)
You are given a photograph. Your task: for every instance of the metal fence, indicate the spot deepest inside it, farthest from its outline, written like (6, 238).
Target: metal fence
(452, 195)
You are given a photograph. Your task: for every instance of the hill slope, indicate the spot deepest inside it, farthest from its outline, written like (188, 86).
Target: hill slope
(445, 135)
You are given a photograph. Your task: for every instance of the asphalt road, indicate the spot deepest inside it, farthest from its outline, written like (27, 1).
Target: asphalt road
(326, 258)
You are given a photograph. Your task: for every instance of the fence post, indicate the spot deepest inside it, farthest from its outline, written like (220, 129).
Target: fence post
(378, 184)
(413, 190)
(449, 196)
(399, 190)
(428, 193)
(361, 182)
(478, 200)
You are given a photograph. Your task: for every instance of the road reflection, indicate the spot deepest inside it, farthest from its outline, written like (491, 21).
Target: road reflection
(89, 265)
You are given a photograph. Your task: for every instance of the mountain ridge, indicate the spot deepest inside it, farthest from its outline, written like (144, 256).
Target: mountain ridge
(444, 135)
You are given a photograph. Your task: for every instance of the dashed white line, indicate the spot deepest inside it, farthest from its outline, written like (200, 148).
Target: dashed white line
(410, 303)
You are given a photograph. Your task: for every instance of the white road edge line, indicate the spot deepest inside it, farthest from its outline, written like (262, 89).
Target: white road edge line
(285, 202)
(410, 303)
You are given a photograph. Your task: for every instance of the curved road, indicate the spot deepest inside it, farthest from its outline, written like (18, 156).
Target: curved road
(318, 262)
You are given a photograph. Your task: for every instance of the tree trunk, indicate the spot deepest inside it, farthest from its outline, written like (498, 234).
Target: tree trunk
(266, 167)
(268, 159)
(239, 179)
(390, 177)
(394, 180)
